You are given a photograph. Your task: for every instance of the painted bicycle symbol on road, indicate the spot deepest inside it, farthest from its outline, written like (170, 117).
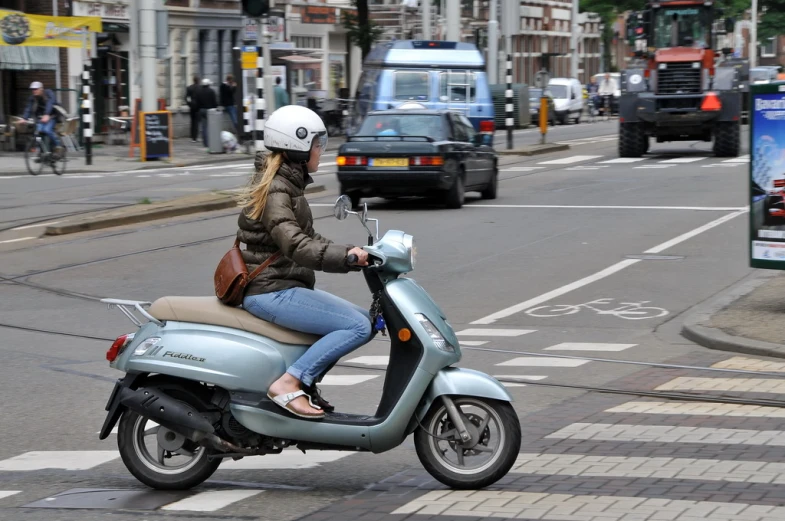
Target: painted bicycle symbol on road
(626, 310)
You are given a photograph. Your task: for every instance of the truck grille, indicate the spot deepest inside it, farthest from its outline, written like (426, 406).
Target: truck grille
(679, 78)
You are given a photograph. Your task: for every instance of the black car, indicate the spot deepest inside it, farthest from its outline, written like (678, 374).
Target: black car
(413, 151)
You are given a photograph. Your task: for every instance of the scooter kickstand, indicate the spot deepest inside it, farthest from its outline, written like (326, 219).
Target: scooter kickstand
(455, 417)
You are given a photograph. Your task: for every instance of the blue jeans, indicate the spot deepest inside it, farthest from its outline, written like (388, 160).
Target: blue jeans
(342, 325)
(48, 128)
(232, 111)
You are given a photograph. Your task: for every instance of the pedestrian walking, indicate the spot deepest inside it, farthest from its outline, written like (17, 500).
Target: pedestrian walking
(281, 96)
(228, 100)
(190, 100)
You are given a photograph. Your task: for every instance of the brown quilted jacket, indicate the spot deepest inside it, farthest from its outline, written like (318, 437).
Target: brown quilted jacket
(287, 225)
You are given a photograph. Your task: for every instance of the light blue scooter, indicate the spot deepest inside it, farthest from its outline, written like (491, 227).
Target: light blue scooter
(197, 374)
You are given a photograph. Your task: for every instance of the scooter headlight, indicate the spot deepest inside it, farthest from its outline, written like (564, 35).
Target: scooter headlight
(437, 337)
(409, 244)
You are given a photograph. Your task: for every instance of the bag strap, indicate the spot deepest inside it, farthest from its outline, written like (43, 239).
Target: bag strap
(262, 266)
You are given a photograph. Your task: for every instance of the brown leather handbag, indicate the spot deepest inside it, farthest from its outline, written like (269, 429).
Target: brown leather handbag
(231, 275)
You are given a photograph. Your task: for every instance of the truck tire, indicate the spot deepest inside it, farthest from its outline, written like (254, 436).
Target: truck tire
(632, 140)
(726, 139)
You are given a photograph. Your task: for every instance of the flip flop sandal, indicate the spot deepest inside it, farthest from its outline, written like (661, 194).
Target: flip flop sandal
(283, 400)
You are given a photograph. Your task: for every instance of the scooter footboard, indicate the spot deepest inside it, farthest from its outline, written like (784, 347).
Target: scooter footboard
(457, 381)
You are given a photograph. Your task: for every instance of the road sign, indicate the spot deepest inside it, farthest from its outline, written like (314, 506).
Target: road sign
(767, 176)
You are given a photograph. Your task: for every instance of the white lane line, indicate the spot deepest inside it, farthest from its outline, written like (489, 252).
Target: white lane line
(583, 168)
(585, 346)
(519, 377)
(684, 160)
(740, 159)
(721, 165)
(542, 361)
(737, 471)
(65, 460)
(748, 385)
(17, 240)
(494, 332)
(79, 176)
(622, 160)
(346, 379)
(7, 493)
(600, 207)
(552, 507)
(668, 434)
(12, 176)
(474, 343)
(211, 501)
(286, 460)
(652, 166)
(568, 160)
(699, 409)
(521, 168)
(370, 360)
(610, 270)
(751, 364)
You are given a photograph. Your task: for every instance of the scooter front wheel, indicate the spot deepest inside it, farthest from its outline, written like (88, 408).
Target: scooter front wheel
(486, 458)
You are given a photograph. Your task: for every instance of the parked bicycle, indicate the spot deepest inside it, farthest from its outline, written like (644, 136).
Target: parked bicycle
(40, 152)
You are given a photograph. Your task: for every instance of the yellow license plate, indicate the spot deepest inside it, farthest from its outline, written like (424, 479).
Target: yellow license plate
(390, 161)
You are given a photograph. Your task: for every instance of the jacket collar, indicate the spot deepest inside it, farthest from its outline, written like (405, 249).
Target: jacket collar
(295, 174)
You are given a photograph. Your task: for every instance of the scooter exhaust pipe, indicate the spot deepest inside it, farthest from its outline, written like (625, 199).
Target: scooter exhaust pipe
(168, 412)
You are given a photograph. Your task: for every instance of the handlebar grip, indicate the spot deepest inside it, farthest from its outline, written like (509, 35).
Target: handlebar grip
(352, 259)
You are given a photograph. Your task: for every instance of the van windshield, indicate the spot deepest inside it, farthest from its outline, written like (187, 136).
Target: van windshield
(403, 125)
(558, 91)
(411, 85)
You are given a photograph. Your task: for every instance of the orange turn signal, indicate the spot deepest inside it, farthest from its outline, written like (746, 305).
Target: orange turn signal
(340, 161)
(404, 335)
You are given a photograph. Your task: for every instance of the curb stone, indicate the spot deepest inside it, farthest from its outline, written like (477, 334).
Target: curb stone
(149, 212)
(532, 150)
(694, 329)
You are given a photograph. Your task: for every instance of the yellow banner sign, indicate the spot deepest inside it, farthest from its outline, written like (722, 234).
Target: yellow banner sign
(22, 29)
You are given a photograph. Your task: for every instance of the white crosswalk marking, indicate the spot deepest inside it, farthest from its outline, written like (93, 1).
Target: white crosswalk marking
(370, 360)
(623, 160)
(494, 332)
(8, 493)
(65, 460)
(753, 385)
(520, 168)
(291, 459)
(586, 346)
(651, 167)
(683, 160)
(737, 471)
(552, 507)
(669, 434)
(211, 501)
(751, 364)
(740, 159)
(568, 160)
(346, 379)
(473, 343)
(518, 376)
(542, 361)
(700, 408)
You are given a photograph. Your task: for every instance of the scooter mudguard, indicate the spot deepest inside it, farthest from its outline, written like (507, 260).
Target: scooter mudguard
(457, 381)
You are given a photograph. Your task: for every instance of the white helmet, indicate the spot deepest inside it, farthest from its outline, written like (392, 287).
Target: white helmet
(292, 129)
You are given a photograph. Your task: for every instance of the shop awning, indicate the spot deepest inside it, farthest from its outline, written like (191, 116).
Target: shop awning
(28, 58)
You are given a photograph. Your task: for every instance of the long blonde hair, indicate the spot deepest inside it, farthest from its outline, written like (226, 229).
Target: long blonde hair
(254, 197)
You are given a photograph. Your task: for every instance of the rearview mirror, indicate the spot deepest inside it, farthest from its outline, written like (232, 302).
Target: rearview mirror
(342, 207)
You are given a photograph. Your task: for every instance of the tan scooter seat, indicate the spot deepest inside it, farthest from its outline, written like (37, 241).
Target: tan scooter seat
(210, 310)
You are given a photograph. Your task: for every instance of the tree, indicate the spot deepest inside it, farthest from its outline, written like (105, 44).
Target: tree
(609, 12)
(360, 29)
(771, 18)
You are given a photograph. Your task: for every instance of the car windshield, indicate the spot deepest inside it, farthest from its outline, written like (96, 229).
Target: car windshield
(403, 125)
(682, 27)
(535, 94)
(411, 85)
(558, 91)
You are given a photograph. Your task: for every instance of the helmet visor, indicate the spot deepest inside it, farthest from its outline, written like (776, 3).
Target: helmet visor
(320, 140)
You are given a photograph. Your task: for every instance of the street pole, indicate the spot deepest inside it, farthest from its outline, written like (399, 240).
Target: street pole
(453, 9)
(493, 44)
(147, 61)
(426, 20)
(754, 34)
(261, 102)
(574, 40)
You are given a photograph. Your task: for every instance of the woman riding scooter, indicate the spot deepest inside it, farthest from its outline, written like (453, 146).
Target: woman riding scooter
(276, 220)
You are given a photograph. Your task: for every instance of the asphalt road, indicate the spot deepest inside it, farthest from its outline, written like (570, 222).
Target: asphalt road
(581, 255)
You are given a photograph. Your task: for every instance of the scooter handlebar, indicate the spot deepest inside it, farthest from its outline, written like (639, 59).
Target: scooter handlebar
(352, 258)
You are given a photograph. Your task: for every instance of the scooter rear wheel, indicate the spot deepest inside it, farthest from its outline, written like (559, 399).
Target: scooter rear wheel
(496, 440)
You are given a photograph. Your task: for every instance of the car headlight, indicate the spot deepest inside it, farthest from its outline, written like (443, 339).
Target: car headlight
(437, 337)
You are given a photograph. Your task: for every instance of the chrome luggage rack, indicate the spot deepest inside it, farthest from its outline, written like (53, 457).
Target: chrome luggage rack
(127, 307)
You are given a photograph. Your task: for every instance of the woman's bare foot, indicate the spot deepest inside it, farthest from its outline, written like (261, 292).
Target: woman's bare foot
(289, 384)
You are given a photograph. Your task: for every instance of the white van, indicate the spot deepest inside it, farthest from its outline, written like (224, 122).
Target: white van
(567, 99)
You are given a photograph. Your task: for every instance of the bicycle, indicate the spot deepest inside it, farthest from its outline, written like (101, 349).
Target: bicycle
(39, 152)
(627, 310)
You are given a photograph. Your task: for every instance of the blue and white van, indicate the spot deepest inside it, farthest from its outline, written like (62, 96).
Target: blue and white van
(436, 74)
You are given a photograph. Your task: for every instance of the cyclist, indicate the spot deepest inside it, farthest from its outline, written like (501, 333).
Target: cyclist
(606, 91)
(41, 107)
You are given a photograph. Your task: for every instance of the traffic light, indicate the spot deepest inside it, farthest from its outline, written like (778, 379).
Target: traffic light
(256, 8)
